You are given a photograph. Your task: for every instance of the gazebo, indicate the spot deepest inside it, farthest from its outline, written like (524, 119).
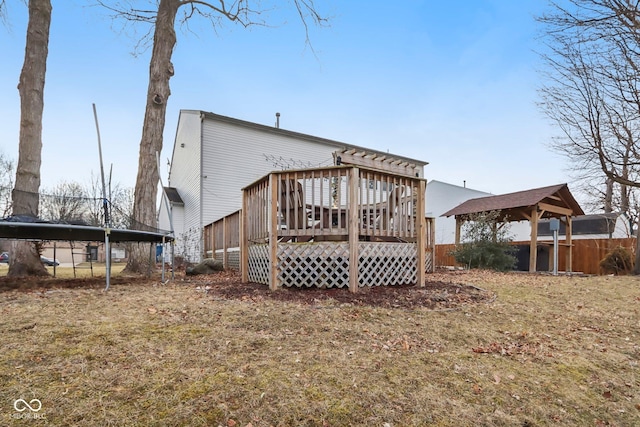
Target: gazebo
(555, 201)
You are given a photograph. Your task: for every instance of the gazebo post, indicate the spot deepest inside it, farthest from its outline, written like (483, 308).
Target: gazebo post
(533, 245)
(459, 222)
(569, 254)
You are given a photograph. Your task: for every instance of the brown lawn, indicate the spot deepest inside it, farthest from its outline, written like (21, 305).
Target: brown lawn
(470, 349)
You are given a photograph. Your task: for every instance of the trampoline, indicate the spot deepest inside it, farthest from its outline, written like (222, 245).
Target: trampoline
(41, 230)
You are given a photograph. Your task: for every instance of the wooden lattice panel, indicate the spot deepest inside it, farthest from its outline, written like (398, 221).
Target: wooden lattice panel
(258, 270)
(384, 264)
(314, 264)
(428, 263)
(233, 258)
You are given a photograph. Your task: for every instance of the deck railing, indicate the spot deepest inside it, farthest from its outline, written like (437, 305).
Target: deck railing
(317, 204)
(222, 240)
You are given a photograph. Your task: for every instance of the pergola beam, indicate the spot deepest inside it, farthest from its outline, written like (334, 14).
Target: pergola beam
(555, 209)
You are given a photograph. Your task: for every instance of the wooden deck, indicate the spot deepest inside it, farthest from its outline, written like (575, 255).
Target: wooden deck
(334, 227)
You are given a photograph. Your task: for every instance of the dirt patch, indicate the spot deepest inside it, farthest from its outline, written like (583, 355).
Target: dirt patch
(436, 294)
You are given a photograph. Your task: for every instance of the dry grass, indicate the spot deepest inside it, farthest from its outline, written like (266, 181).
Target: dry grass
(82, 270)
(547, 351)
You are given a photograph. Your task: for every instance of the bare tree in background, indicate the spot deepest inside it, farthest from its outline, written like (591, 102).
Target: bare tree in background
(164, 18)
(25, 259)
(120, 204)
(67, 202)
(592, 94)
(7, 172)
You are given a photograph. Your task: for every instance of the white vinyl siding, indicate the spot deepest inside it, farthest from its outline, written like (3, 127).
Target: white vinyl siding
(185, 177)
(234, 157)
(214, 157)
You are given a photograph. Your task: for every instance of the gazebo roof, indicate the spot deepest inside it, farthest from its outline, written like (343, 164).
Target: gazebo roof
(554, 201)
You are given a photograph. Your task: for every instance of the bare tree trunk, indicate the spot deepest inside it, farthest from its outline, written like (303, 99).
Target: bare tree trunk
(636, 267)
(25, 259)
(608, 196)
(158, 92)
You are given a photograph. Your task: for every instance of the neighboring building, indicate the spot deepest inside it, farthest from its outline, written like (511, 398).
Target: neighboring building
(592, 226)
(215, 156)
(78, 252)
(442, 197)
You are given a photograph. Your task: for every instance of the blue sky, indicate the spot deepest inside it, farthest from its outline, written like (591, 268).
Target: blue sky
(450, 83)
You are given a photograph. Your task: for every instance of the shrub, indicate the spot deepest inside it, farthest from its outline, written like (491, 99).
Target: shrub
(618, 261)
(487, 244)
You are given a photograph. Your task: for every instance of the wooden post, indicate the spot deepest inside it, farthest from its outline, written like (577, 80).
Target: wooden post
(533, 244)
(422, 235)
(273, 232)
(244, 239)
(353, 229)
(459, 222)
(212, 238)
(568, 234)
(225, 243)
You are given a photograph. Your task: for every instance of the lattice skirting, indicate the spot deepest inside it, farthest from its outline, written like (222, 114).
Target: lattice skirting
(326, 264)
(258, 270)
(384, 264)
(233, 258)
(428, 262)
(313, 264)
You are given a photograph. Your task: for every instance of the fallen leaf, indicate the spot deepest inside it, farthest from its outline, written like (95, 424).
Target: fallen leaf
(231, 423)
(477, 389)
(607, 394)
(152, 310)
(496, 377)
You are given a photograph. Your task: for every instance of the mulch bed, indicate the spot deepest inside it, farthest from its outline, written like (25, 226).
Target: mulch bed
(436, 294)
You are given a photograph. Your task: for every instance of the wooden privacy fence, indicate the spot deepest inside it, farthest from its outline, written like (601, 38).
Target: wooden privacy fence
(587, 253)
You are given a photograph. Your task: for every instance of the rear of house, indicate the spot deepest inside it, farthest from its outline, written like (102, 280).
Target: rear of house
(215, 156)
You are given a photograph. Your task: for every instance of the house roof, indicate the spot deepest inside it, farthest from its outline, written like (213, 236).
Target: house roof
(554, 200)
(302, 136)
(173, 195)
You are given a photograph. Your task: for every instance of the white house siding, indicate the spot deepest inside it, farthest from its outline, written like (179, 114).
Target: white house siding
(442, 197)
(235, 156)
(185, 177)
(221, 155)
